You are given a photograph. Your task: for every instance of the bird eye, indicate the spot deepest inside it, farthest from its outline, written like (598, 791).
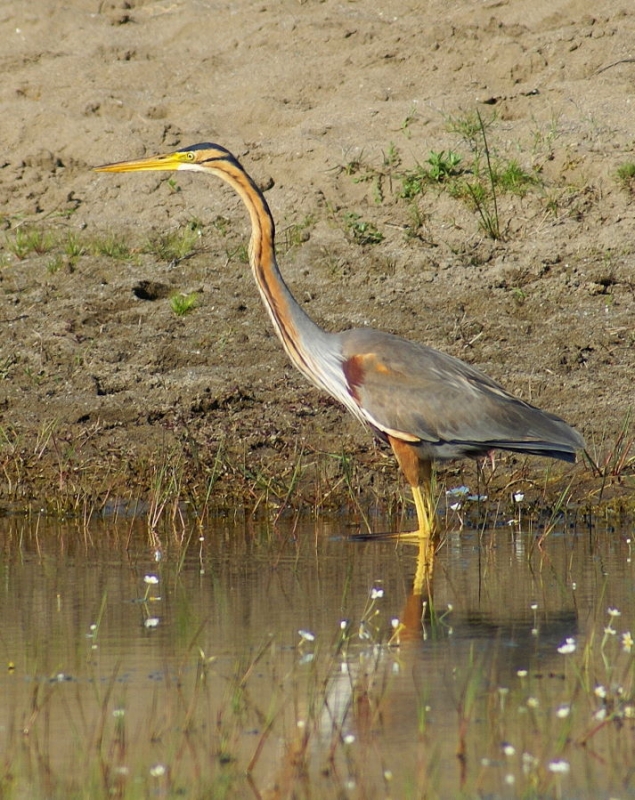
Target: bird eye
(191, 156)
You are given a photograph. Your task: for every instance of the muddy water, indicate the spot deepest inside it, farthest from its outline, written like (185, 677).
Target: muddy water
(240, 659)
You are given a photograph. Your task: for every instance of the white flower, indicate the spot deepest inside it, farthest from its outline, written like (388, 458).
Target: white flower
(157, 771)
(627, 642)
(568, 646)
(563, 711)
(151, 580)
(376, 593)
(152, 622)
(613, 612)
(600, 692)
(560, 767)
(307, 636)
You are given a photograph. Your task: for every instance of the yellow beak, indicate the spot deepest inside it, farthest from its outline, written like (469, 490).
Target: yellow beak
(168, 162)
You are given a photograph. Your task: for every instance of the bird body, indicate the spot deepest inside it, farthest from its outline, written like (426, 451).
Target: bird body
(426, 404)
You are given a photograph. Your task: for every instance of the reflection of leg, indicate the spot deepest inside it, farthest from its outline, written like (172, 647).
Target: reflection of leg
(418, 603)
(422, 584)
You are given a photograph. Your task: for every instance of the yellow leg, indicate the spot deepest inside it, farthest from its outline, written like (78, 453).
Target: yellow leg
(423, 496)
(425, 511)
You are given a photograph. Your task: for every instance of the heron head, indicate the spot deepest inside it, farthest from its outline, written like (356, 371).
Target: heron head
(198, 157)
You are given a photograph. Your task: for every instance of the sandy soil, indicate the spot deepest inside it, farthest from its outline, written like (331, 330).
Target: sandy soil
(101, 383)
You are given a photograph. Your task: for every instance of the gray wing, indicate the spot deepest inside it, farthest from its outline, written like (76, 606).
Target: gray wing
(445, 407)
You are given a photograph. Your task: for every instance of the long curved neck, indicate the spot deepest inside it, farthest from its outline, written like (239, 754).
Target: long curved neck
(296, 330)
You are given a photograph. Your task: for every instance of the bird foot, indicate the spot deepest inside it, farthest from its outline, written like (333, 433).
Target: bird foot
(407, 537)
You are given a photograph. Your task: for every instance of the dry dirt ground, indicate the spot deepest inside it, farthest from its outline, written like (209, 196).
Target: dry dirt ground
(105, 391)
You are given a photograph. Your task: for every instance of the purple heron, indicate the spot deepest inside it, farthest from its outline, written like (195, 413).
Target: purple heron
(426, 404)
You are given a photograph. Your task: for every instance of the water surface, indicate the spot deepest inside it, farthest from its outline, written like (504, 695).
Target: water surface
(244, 659)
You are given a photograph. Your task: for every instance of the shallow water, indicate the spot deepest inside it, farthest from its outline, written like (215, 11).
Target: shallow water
(238, 659)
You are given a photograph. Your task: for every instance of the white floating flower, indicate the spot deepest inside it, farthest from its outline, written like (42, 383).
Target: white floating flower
(307, 636)
(560, 767)
(613, 612)
(568, 646)
(458, 491)
(529, 763)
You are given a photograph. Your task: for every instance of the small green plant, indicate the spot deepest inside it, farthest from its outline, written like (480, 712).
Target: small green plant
(481, 190)
(73, 248)
(296, 234)
(511, 177)
(26, 240)
(392, 158)
(361, 231)
(471, 127)
(240, 253)
(182, 304)
(411, 116)
(443, 165)
(221, 225)
(113, 246)
(174, 245)
(626, 174)
(6, 366)
(55, 263)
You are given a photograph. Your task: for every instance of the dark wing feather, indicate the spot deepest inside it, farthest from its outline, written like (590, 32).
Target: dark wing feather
(451, 408)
